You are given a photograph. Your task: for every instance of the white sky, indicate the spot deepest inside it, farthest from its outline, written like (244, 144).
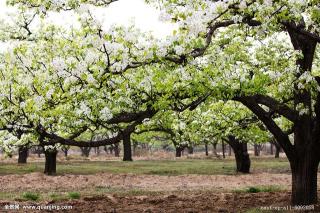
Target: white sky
(121, 12)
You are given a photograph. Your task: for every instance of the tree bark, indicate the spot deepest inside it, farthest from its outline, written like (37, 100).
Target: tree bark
(304, 180)
(51, 162)
(127, 153)
(241, 154)
(23, 154)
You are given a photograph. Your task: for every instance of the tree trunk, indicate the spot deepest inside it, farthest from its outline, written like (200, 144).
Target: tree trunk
(65, 151)
(304, 163)
(127, 153)
(206, 148)
(85, 151)
(223, 150)
(256, 149)
(230, 150)
(135, 144)
(214, 150)
(178, 152)
(304, 179)
(51, 162)
(190, 150)
(105, 148)
(241, 154)
(39, 151)
(116, 150)
(23, 154)
(97, 151)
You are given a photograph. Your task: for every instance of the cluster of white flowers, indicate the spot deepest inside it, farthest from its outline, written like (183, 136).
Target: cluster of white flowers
(83, 109)
(39, 101)
(91, 56)
(59, 64)
(51, 147)
(49, 93)
(305, 79)
(106, 113)
(179, 50)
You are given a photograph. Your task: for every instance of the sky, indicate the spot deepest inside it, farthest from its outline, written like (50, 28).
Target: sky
(121, 12)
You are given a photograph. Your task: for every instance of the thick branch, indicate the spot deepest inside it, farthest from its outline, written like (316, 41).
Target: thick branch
(276, 106)
(281, 137)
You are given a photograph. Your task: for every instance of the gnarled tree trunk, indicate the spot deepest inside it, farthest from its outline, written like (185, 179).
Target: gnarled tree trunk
(51, 162)
(241, 154)
(23, 154)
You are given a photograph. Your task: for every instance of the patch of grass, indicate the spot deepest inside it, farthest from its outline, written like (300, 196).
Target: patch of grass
(152, 167)
(256, 189)
(8, 195)
(254, 210)
(57, 197)
(253, 190)
(74, 195)
(31, 196)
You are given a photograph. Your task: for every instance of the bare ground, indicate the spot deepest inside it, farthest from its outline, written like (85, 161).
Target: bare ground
(39, 181)
(201, 202)
(186, 193)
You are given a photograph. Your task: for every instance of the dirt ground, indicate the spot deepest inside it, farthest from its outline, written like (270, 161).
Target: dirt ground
(186, 203)
(185, 193)
(39, 181)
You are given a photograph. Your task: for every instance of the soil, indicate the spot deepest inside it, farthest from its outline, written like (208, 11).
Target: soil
(203, 202)
(185, 193)
(39, 181)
